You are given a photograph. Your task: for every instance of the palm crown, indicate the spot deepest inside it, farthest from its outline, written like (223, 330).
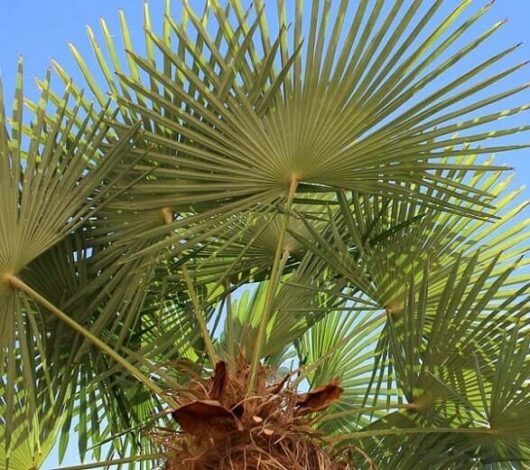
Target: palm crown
(312, 199)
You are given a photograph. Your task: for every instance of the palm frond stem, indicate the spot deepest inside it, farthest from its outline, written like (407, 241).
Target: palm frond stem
(18, 284)
(280, 258)
(199, 316)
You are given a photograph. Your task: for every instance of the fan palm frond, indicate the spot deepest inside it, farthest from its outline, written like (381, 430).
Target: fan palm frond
(456, 373)
(377, 244)
(328, 104)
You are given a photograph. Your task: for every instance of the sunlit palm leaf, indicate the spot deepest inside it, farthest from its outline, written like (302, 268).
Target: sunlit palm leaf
(51, 183)
(464, 369)
(377, 244)
(342, 111)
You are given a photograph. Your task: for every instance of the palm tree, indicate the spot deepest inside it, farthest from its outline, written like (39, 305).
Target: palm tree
(287, 241)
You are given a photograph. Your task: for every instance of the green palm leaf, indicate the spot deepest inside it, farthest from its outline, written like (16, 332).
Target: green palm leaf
(338, 112)
(311, 195)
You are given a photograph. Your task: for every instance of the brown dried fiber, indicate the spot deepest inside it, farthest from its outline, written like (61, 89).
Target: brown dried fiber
(223, 428)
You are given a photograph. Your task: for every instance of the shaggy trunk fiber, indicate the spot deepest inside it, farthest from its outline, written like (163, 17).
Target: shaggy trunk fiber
(223, 427)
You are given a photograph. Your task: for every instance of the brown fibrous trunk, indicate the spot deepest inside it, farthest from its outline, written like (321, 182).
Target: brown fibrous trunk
(223, 426)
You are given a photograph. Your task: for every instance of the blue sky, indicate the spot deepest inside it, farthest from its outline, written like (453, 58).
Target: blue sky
(39, 30)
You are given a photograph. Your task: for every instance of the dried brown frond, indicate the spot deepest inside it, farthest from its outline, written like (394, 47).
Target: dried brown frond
(222, 427)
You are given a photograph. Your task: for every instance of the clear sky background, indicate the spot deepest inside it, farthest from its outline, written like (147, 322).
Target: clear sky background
(39, 30)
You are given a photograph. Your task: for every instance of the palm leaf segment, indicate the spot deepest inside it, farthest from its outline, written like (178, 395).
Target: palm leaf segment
(378, 244)
(431, 373)
(51, 183)
(467, 284)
